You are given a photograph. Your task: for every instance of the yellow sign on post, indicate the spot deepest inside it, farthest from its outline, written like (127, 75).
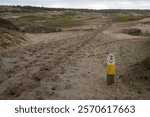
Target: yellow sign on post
(110, 69)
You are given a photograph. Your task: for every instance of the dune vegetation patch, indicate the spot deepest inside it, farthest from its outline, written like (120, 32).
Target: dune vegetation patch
(8, 25)
(121, 19)
(147, 23)
(132, 31)
(136, 32)
(65, 19)
(40, 29)
(31, 18)
(10, 38)
(38, 23)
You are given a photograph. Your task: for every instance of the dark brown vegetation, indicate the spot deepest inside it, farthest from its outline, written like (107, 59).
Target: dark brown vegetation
(8, 25)
(146, 62)
(132, 31)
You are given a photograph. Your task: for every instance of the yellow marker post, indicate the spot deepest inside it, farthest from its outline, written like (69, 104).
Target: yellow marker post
(110, 69)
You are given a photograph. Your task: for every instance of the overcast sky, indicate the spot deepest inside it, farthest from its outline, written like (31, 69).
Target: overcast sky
(90, 4)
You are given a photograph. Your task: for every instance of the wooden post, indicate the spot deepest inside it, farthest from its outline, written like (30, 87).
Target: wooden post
(110, 69)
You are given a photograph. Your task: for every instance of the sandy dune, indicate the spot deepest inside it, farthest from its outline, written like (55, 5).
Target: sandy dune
(71, 65)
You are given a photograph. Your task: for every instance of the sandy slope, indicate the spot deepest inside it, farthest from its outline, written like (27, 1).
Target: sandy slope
(71, 65)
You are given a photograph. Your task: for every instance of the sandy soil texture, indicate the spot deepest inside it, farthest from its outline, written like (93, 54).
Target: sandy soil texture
(72, 65)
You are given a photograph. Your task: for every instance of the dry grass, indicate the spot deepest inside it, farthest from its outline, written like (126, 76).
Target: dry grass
(10, 38)
(8, 25)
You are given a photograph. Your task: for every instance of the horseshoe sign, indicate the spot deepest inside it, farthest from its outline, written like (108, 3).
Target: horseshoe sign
(111, 59)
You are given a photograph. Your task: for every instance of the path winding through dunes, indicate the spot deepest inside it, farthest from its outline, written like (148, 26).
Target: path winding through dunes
(71, 67)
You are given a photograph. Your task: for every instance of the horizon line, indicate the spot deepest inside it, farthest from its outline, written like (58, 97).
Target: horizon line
(68, 7)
